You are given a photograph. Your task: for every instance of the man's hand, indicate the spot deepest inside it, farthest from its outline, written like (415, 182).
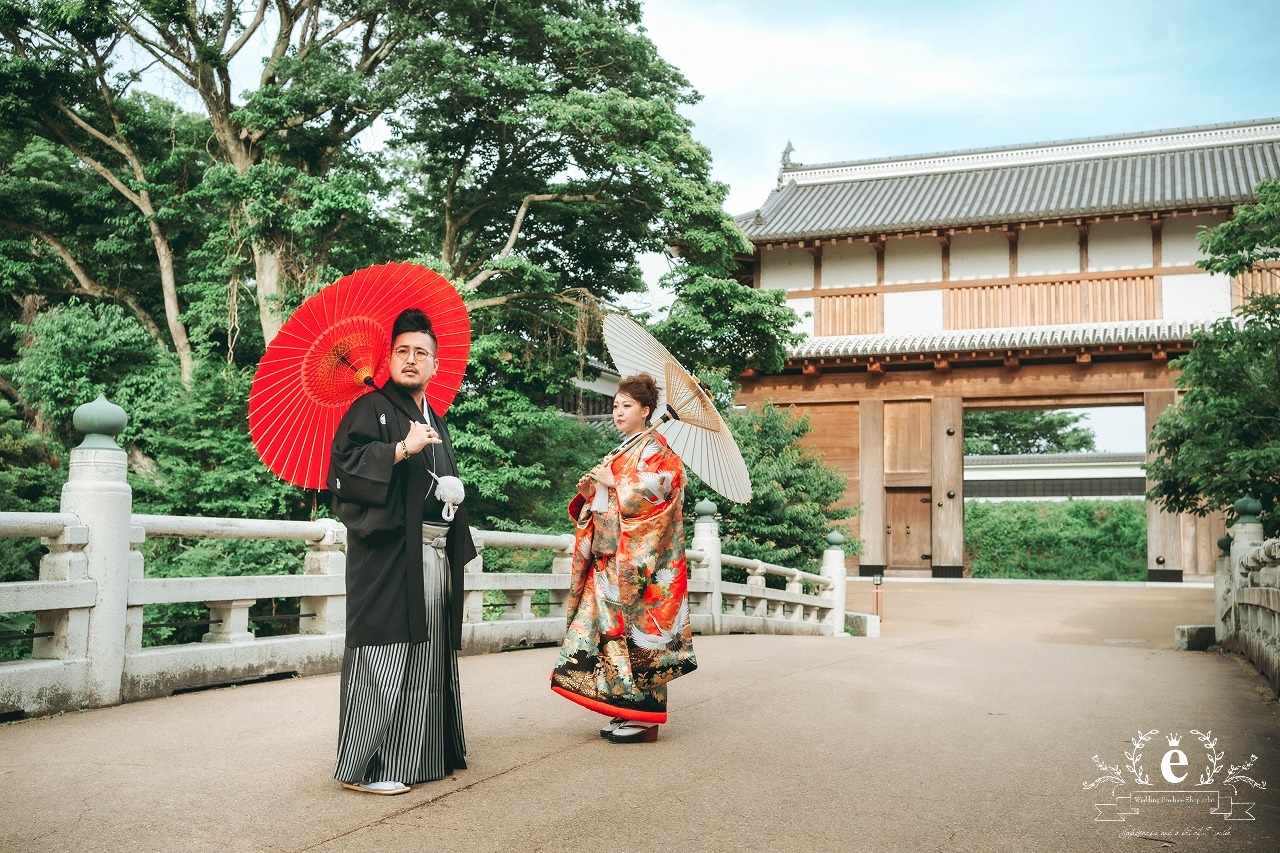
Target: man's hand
(419, 436)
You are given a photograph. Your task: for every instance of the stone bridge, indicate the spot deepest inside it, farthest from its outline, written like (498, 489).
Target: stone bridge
(971, 716)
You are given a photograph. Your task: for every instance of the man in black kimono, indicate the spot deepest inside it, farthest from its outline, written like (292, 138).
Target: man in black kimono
(400, 720)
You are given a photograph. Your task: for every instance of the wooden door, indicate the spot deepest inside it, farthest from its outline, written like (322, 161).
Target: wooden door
(907, 529)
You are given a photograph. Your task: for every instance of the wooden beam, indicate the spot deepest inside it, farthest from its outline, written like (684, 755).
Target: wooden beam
(995, 282)
(1110, 383)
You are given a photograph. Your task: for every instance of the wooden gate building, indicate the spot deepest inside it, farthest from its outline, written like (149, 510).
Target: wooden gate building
(1028, 277)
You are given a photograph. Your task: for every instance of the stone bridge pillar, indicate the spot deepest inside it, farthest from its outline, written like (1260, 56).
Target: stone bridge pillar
(97, 493)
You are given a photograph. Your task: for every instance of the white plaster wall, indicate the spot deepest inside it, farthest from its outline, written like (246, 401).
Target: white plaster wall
(982, 255)
(1198, 296)
(1180, 239)
(804, 308)
(912, 259)
(1123, 245)
(786, 269)
(1048, 251)
(913, 313)
(848, 265)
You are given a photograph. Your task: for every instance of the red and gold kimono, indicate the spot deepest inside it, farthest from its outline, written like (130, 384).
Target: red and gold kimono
(629, 631)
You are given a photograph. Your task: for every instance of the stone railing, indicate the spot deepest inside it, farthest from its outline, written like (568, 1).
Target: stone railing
(87, 644)
(1247, 593)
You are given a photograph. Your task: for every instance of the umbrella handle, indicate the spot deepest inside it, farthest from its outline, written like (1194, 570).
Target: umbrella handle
(669, 415)
(363, 374)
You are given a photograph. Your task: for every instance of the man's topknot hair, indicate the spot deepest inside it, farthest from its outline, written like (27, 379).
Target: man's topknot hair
(413, 320)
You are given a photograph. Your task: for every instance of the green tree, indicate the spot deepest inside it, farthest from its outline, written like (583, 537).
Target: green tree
(1014, 432)
(794, 493)
(544, 155)
(1221, 441)
(1057, 540)
(57, 71)
(1249, 239)
(30, 476)
(535, 149)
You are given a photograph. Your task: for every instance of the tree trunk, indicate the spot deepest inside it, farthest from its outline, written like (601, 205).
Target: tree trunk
(267, 267)
(172, 312)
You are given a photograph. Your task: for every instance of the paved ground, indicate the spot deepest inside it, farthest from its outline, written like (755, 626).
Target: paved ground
(971, 725)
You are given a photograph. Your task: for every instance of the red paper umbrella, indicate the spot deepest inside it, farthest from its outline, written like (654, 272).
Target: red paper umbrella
(336, 347)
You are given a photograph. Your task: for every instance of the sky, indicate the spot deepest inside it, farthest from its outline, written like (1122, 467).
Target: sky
(845, 80)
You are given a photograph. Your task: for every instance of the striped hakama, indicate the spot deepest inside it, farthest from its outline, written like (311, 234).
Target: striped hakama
(400, 718)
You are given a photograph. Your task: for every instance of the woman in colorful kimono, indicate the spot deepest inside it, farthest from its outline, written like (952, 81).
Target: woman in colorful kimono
(629, 631)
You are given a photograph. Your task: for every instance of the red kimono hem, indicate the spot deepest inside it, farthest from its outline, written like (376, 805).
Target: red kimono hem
(612, 710)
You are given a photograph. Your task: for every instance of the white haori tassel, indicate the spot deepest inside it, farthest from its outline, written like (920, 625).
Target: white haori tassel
(600, 503)
(451, 493)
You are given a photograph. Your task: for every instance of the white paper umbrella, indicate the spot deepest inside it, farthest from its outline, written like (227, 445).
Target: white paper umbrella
(690, 424)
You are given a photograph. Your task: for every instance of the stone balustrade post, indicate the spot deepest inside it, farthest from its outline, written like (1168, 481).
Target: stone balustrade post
(756, 589)
(1223, 592)
(795, 585)
(325, 556)
(1247, 536)
(509, 606)
(65, 561)
(134, 614)
(98, 494)
(473, 606)
(706, 538)
(561, 564)
(230, 621)
(835, 568)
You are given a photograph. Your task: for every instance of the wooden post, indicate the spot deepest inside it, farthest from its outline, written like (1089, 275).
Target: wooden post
(871, 486)
(1164, 539)
(948, 487)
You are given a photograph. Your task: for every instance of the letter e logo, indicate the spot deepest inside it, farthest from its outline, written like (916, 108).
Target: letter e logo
(1173, 758)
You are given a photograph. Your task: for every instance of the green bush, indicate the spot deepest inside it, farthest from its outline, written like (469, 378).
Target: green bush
(1057, 540)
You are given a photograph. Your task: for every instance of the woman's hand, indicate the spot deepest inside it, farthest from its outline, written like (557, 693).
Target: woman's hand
(603, 474)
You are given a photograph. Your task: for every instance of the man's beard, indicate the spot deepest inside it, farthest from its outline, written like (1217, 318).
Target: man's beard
(411, 384)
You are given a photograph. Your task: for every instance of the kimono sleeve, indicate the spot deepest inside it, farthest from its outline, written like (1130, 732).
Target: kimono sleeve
(361, 466)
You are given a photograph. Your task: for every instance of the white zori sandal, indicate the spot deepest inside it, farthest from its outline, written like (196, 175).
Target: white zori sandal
(385, 788)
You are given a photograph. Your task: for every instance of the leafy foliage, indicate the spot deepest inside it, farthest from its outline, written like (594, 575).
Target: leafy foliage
(521, 463)
(794, 494)
(30, 476)
(536, 148)
(78, 350)
(1249, 239)
(1014, 432)
(1221, 442)
(1057, 540)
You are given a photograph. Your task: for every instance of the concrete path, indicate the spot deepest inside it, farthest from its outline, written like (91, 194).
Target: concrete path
(971, 725)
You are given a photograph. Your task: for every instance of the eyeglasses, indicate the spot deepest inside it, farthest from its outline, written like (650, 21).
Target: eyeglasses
(412, 354)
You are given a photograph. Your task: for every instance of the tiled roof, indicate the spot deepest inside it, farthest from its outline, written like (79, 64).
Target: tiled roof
(1072, 459)
(1215, 165)
(1017, 338)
